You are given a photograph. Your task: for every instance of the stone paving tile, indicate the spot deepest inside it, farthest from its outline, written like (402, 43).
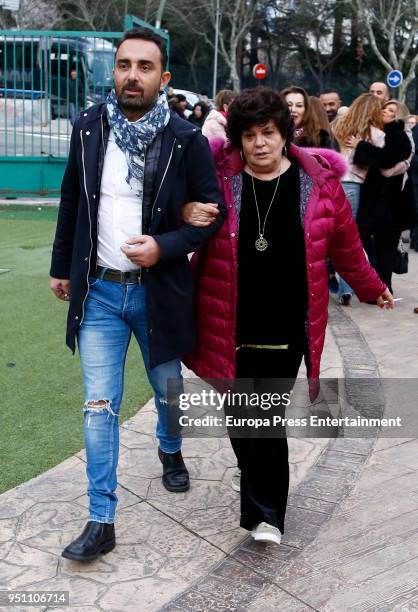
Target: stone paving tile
(202, 447)
(145, 595)
(236, 594)
(377, 472)
(274, 599)
(133, 439)
(228, 540)
(67, 483)
(213, 521)
(201, 496)
(194, 601)
(326, 485)
(408, 456)
(386, 590)
(139, 487)
(14, 502)
(125, 499)
(134, 462)
(265, 560)
(83, 595)
(310, 503)
(24, 565)
(50, 526)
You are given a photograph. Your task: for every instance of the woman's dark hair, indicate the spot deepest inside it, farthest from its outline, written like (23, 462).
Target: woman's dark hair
(145, 34)
(203, 107)
(311, 136)
(258, 106)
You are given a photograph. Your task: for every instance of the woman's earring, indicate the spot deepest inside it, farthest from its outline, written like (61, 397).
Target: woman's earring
(241, 155)
(284, 151)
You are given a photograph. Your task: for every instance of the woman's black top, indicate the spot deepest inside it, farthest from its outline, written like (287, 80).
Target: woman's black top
(272, 284)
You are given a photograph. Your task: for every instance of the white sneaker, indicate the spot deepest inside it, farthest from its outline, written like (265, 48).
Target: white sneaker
(263, 532)
(236, 481)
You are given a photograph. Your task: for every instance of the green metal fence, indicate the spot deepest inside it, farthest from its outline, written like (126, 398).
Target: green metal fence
(46, 78)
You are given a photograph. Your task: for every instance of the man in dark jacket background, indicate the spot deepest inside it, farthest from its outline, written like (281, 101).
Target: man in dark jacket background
(123, 265)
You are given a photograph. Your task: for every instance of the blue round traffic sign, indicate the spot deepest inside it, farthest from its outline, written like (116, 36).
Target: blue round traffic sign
(394, 78)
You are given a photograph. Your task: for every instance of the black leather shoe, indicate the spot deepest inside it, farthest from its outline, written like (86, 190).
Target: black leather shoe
(175, 475)
(96, 538)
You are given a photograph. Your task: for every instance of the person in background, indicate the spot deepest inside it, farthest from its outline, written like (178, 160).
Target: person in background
(76, 102)
(204, 97)
(308, 131)
(363, 121)
(319, 112)
(180, 105)
(414, 178)
(386, 203)
(286, 212)
(198, 114)
(380, 90)
(215, 122)
(331, 101)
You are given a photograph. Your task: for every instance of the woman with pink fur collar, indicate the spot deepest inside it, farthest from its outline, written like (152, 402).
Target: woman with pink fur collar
(262, 281)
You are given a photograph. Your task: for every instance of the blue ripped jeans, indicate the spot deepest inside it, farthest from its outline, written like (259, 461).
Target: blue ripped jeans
(113, 312)
(352, 192)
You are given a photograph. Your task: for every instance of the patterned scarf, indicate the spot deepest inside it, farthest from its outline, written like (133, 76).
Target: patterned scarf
(134, 138)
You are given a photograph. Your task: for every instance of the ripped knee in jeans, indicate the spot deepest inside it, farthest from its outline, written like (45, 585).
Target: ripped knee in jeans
(98, 407)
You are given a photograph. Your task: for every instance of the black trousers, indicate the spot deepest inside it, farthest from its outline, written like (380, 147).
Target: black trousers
(263, 461)
(381, 250)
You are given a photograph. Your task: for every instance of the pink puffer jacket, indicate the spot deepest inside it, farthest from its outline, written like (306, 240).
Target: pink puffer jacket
(329, 229)
(214, 125)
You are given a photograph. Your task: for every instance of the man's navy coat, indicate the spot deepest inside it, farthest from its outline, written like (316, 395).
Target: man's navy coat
(185, 172)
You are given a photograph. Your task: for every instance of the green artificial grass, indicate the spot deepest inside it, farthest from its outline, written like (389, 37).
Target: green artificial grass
(41, 395)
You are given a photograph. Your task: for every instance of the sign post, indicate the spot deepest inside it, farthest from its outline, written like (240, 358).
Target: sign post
(394, 78)
(260, 71)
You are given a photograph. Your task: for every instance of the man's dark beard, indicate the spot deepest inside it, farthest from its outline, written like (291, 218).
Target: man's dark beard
(134, 103)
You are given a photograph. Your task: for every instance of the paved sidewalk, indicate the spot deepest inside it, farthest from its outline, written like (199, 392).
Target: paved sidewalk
(351, 540)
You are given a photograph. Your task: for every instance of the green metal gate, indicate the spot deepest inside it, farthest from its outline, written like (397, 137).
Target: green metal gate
(46, 78)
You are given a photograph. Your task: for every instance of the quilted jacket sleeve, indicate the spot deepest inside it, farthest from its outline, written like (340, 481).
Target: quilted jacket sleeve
(346, 251)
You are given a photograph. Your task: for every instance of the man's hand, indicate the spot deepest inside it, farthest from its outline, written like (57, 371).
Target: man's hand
(386, 300)
(199, 214)
(61, 288)
(143, 252)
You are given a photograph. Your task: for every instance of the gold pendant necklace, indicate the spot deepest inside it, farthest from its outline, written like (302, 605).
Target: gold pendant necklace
(261, 243)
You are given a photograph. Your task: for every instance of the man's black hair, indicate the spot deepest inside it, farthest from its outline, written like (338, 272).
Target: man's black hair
(330, 91)
(146, 34)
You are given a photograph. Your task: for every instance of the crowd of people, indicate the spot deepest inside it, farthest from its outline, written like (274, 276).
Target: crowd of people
(378, 137)
(271, 188)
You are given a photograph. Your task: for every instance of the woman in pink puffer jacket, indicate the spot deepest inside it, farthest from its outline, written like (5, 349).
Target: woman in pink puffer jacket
(215, 123)
(262, 281)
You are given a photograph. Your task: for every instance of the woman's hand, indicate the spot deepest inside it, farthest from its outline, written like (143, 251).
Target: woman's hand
(386, 300)
(199, 214)
(352, 142)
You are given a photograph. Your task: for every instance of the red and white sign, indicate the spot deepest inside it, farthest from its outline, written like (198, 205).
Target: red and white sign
(260, 71)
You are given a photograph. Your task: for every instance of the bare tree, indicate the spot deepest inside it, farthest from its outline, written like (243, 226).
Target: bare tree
(95, 15)
(396, 21)
(34, 14)
(237, 18)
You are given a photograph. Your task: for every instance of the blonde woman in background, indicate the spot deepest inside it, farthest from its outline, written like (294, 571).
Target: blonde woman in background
(386, 202)
(214, 125)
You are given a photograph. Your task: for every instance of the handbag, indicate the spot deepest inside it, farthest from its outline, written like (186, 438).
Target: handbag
(401, 261)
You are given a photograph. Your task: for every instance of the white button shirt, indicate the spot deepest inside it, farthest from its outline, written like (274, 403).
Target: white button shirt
(120, 211)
